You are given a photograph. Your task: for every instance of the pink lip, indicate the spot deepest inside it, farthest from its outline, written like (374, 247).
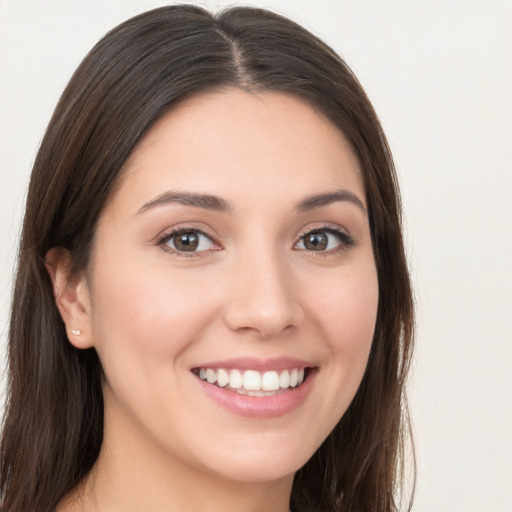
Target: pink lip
(262, 365)
(263, 407)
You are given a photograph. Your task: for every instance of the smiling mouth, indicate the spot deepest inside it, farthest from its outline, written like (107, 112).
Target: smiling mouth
(252, 382)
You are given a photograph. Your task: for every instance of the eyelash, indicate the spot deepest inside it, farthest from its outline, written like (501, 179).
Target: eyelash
(166, 237)
(345, 240)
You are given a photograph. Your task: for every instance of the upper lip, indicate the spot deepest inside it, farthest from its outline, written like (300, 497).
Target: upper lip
(262, 365)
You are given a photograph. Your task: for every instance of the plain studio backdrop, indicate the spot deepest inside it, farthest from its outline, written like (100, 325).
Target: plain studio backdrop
(439, 74)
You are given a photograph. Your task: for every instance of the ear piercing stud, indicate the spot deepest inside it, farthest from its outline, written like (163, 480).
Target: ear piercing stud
(75, 332)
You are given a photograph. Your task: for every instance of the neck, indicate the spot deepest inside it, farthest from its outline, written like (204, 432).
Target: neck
(180, 490)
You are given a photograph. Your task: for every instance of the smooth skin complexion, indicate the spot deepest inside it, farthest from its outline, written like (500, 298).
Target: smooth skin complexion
(237, 239)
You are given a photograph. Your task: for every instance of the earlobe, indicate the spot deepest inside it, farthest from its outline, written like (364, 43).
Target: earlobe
(71, 294)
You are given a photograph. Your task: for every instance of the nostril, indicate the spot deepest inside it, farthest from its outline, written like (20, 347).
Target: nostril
(265, 330)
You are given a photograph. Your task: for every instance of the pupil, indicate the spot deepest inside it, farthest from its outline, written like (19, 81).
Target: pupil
(316, 241)
(186, 242)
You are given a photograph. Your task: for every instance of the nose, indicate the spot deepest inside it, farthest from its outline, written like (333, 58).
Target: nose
(262, 297)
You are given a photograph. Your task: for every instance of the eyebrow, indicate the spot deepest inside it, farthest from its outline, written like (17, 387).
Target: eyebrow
(204, 201)
(218, 204)
(318, 200)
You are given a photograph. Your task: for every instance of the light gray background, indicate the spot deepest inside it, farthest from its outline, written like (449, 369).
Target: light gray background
(440, 76)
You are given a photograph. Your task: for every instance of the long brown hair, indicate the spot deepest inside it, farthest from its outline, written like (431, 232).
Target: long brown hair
(54, 418)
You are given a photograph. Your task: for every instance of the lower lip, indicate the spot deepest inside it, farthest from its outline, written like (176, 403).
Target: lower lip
(260, 406)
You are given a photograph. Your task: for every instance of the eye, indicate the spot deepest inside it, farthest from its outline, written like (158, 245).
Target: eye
(188, 240)
(324, 240)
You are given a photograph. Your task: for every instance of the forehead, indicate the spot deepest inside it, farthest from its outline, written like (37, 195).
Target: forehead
(232, 141)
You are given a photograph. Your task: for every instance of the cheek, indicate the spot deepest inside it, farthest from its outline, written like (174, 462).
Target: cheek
(148, 315)
(342, 312)
(361, 302)
(347, 311)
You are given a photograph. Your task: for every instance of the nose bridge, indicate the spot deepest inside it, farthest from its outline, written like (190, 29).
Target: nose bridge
(262, 298)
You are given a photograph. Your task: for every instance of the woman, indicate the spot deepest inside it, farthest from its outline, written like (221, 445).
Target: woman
(212, 307)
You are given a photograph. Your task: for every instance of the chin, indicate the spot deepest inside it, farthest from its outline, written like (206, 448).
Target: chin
(262, 462)
(260, 471)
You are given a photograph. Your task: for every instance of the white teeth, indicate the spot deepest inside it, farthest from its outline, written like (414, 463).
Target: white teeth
(211, 375)
(284, 379)
(294, 377)
(256, 393)
(235, 379)
(251, 382)
(269, 381)
(222, 378)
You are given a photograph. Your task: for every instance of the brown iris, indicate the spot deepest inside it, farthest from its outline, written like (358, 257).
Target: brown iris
(316, 241)
(188, 241)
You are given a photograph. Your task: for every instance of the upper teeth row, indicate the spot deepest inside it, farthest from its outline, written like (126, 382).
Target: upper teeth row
(252, 380)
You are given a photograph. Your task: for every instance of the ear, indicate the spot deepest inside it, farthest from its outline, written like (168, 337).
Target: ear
(71, 296)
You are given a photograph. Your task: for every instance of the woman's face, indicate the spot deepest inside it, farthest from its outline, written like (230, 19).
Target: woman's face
(234, 258)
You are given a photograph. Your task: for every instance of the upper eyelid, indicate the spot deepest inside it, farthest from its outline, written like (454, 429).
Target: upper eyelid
(168, 233)
(346, 239)
(327, 226)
